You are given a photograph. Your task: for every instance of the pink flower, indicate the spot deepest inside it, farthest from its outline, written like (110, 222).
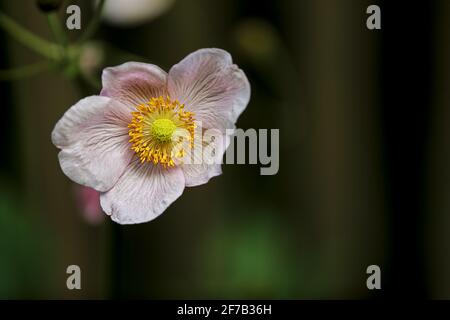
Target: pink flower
(125, 142)
(88, 201)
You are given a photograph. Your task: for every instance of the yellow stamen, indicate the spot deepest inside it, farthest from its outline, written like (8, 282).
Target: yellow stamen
(162, 129)
(153, 131)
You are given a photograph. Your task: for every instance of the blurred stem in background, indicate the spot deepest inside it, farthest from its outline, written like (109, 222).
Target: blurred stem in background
(37, 44)
(69, 58)
(23, 72)
(94, 23)
(57, 29)
(64, 55)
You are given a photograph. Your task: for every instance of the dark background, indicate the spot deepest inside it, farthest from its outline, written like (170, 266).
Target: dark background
(364, 162)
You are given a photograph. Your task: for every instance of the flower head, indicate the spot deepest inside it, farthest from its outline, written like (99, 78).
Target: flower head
(133, 142)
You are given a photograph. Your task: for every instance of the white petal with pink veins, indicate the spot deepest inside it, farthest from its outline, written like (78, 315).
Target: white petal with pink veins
(205, 165)
(198, 174)
(142, 193)
(211, 86)
(134, 83)
(93, 138)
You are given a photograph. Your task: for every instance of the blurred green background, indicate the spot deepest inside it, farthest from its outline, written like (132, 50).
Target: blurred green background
(308, 232)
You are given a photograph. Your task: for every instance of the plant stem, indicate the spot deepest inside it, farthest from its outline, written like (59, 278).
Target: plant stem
(57, 30)
(23, 72)
(28, 39)
(93, 25)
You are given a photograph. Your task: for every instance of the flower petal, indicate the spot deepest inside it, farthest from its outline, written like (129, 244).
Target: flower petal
(206, 162)
(198, 174)
(142, 193)
(93, 138)
(133, 83)
(211, 86)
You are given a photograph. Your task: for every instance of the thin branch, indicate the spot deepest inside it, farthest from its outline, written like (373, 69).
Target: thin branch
(29, 39)
(23, 72)
(94, 23)
(57, 30)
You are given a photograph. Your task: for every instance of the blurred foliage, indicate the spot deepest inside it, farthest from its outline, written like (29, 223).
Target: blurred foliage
(249, 258)
(25, 250)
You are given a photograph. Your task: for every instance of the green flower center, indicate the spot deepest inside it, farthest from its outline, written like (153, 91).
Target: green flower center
(162, 129)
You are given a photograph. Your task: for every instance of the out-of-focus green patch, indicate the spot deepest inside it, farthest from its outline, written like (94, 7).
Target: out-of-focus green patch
(248, 259)
(24, 254)
(257, 40)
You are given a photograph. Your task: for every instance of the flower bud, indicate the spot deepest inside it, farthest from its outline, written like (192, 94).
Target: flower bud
(48, 5)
